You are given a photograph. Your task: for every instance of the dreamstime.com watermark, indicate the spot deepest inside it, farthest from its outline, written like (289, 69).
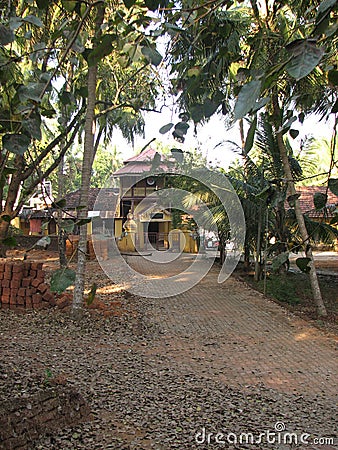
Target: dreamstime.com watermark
(278, 436)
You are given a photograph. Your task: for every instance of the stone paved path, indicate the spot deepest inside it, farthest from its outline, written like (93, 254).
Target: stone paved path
(230, 332)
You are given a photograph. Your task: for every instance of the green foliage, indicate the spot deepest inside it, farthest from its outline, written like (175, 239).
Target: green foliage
(333, 185)
(281, 287)
(61, 279)
(16, 143)
(303, 264)
(305, 55)
(280, 261)
(9, 241)
(319, 200)
(247, 98)
(91, 296)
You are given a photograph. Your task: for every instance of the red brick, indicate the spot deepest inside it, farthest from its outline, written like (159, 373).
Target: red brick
(15, 284)
(49, 297)
(8, 267)
(22, 292)
(32, 273)
(6, 291)
(41, 274)
(36, 265)
(20, 300)
(5, 298)
(17, 276)
(43, 287)
(1, 275)
(5, 283)
(5, 306)
(12, 299)
(17, 268)
(36, 298)
(64, 301)
(30, 291)
(25, 282)
(28, 302)
(2, 266)
(7, 275)
(36, 282)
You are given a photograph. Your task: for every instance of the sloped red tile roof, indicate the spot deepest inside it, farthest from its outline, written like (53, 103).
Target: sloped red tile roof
(147, 155)
(73, 198)
(141, 163)
(306, 199)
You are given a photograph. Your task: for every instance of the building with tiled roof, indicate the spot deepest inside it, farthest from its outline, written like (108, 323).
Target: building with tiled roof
(307, 205)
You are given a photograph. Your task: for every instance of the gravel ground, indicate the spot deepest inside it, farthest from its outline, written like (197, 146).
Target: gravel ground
(139, 398)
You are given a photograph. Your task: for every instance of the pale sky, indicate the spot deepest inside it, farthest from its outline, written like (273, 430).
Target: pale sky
(211, 138)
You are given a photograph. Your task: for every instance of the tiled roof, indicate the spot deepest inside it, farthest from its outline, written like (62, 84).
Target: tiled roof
(142, 163)
(73, 198)
(306, 199)
(147, 155)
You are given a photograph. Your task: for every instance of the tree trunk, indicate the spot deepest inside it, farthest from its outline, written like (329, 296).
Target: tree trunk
(88, 157)
(258, 256)
(61, 233)
(317, 296)
(84, 192)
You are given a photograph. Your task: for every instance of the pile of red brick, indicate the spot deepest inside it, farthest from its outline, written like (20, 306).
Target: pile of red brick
(22, 285)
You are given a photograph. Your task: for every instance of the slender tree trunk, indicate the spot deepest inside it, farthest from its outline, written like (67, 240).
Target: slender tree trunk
(258, 265)
(317, 296)
(84, 192)
(88, 157)
(61, 233)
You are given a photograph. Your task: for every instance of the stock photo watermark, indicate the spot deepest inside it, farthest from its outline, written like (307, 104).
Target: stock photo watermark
(279, 435)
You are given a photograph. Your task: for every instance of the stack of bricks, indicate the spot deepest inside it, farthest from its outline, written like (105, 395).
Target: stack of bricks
(22, 285)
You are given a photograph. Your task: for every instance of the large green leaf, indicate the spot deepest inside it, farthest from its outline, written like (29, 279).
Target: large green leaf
(31, 91)
(6, 35)
(33, 20)
(281, 259)
(181, 129)
(319, 200)
(166, 128)
(305, 56)
(102, 50)
(33, 126)
(250, 136)
(16, 143)
(153, 5)
(129, 3)
(325, 6)
(333, 185)
(247, 98)
(293, 133)
(303, 264)
(61, 279)
(152, 55)
(209, 108)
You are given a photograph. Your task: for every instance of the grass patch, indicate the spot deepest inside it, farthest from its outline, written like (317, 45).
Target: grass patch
(283, 288)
